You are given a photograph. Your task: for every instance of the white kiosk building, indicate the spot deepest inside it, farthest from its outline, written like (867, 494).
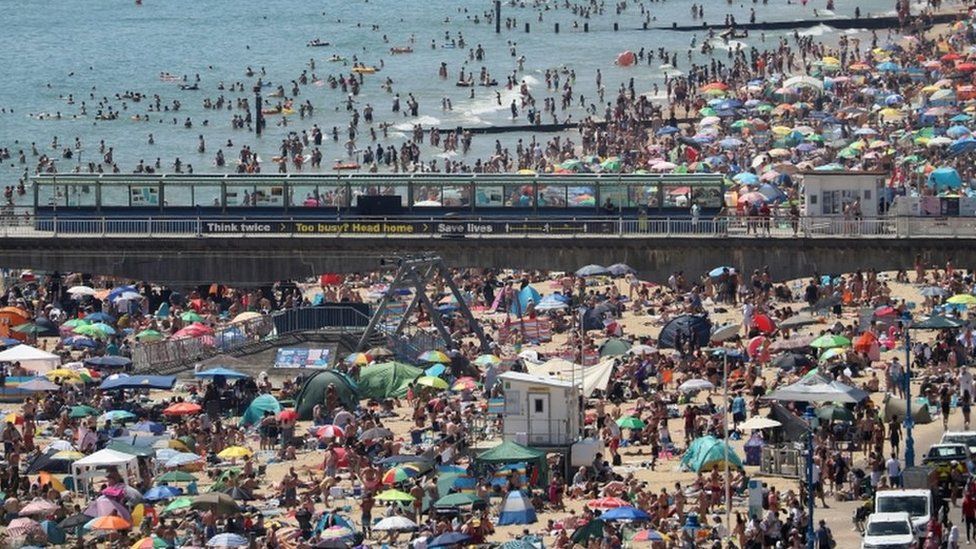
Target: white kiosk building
(540, 411)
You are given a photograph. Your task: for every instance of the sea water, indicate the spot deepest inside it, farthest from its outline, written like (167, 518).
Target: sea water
(50, 49)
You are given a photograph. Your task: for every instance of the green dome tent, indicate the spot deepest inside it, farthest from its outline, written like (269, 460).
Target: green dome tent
(314, 392)
(388, 379)
(705, 452)
(255, 411)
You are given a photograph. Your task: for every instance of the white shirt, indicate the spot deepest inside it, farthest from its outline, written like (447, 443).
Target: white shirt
(894, 467)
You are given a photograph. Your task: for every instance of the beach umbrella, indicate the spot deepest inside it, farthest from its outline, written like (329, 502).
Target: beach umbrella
(150, 542)
(399, 474)
(435, 370)
(105, 506)
(80, 342)
(488, 360)
(928, 291)
(653, 536)
(23, 527)
(746, 178)
(379, 352)
(67, 455)
(38, 384)
(630, 422)
(614, 347)
(75, 520)
(434, 356)
(227, 540)
(157, 493)
(117, 416)
(828, 341)
(962, 146)
(792, 361)
(592, 270)
(238, 494)
(449, 539)
(640, 349)
(235, 452)
(394, 495)
(752, 198)
(832, 412)
(360, 359)
(625, 513)
(464, 384)
(458, 499)
(945, 177)
(667, 130)
(177, 505)
(433, 382)
(176, 476)
(938, 323)
(376, 433)
(182, 458)
(215, 501)
(962, 299)
(396, 523)
(81, 291)
(603, 504)
(191, 316)
(82, 410)
(833, 353)
(38, 507)
(226, 373)
(693, 385)
(182, 409)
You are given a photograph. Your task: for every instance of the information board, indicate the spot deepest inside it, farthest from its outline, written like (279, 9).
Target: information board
(303, 358)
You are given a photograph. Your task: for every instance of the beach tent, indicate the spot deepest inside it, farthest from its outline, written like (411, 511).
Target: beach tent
(897, 407)
(31, 358)
(256, 410)
(528, 294)
(705, 452)
(816, 388)
(313, 392)
(513, 452)
(517, 509)
(88, 466)
(697, 326)
(591, 530)
(387, 379)
(614, 347)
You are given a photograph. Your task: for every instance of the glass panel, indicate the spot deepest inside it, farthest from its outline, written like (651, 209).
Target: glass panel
(644, 195)
(178, 195)
(707, 196)
(552, 196)
(144, 195)
(581, 196)
(427, 195)
(305, 196)
(677, 196)
(617, 194)
(381, 188)
(456, 196)
(51, 195)
(489, 196)
(520, 196)
(206, 196)
(239, 195)
(269, 195)
(334, 195)
(80, 194)
(114, 196)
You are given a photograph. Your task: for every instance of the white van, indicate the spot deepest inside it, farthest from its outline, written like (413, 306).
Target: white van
(917, 503)
(889, 531)
(961, 437)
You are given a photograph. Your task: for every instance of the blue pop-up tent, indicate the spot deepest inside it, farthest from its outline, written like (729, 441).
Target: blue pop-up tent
(517, 509)
(524, 297)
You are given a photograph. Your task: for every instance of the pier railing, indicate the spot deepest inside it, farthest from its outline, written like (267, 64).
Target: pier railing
(488, 227)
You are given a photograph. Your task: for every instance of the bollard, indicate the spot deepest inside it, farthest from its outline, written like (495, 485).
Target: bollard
(616, 27)
(557, 28)
(526, 27)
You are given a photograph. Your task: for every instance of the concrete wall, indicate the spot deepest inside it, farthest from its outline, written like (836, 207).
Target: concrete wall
(259, 260)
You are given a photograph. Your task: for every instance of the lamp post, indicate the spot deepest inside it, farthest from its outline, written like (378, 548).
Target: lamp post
(811, 533)
(907, 385)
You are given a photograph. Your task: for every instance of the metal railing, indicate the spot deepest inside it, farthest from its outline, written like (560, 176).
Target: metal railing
(161, 354)
(488, 227)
